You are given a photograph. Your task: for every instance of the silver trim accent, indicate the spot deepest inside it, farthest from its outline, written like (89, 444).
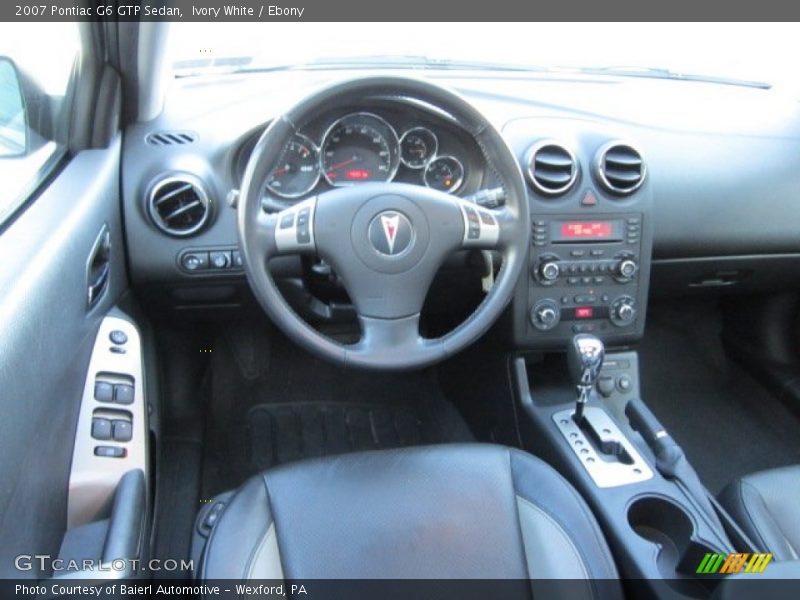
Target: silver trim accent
(605, 474)
(316, 149)
(432, 155)
(458, 184)
(93, 479)
(286, 239)
(599, 163)
(396, 143)
(530, 156)
(202, 196)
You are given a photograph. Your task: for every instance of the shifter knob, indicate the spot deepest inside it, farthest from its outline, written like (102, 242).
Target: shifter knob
(584, 358)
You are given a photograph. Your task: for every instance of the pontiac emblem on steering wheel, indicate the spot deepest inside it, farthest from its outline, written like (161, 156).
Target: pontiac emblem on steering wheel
(390, 233)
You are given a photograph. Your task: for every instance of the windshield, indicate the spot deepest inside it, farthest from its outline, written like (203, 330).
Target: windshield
(743, 53)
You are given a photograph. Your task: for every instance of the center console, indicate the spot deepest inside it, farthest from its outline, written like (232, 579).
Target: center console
(587, 274)
(586, 290)
(588, 271)
(660, 527)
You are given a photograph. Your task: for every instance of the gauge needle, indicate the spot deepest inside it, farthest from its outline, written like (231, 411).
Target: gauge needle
(281, 171)
(342, 164)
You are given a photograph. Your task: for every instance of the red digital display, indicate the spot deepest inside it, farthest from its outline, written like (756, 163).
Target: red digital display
(357, 174)
(595, 230)
(585, 312)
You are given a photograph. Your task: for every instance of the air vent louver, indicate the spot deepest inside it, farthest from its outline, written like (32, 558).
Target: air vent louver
(171, 138)
(620, 168)
(552, 168)
(178, 205)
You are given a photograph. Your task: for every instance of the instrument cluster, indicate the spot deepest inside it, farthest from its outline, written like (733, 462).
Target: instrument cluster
(362, 146)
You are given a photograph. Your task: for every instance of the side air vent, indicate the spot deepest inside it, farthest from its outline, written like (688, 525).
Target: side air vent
(171, 138)
(620, 168)
(552, 168)
(178, 205)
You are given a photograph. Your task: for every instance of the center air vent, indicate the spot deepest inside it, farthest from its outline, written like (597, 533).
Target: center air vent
(552, 168)
(171, 138)
(620, 168)
(179, 205)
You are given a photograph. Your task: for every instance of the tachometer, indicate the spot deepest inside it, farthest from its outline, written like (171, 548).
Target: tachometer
(358, 148)
(297, 171)
(445, 174)
(417, 147)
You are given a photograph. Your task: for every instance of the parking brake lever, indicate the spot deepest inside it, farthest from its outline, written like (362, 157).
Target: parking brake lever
(671, 461)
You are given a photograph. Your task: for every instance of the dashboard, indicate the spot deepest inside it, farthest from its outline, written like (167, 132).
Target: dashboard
(709, 206)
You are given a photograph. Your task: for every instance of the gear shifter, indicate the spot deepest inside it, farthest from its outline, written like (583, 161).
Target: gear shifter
(584, 359)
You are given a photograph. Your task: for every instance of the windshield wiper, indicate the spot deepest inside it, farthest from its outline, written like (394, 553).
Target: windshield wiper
(662, 73)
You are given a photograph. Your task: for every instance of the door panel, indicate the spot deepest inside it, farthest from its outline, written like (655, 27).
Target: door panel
(48, 330)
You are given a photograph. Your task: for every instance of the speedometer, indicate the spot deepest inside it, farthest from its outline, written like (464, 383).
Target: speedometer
(297, 171)
(358, 148)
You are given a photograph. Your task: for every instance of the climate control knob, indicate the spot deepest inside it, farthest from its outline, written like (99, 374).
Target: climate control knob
(545, 314)
(627, 268)
(549, 271)
(623, 311)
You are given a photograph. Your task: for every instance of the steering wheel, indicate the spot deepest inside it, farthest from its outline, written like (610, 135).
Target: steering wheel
(385, 241)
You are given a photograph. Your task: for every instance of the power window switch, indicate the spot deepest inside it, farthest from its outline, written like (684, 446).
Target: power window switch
(101, 429)
(123, 393)
(103, 392)
(123, 430)
(110, 451)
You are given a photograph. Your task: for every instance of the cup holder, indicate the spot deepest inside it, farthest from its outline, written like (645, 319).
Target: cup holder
(668, 526)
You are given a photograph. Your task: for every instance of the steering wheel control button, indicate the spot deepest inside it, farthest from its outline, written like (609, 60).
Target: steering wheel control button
(287, 221)
(110, 451)
(123, 393)
(103, 392)
(303, 230)
(195, 261)
(219, 260)
(391, 233)
(118, 337)
(295, 230)
(480, 226)
(101, 429)
(122, 430)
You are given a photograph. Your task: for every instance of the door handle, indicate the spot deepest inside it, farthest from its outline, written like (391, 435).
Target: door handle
(98, 267)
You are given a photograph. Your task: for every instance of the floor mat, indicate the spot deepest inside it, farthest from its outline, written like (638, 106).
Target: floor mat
(728, 424)
(280, 433)
(273, 403)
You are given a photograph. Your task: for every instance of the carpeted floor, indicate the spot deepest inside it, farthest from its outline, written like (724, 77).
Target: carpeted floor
(728, 424)
(272, 403)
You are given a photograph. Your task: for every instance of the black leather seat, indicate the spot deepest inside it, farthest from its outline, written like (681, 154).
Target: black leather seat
(443, 512)
(766, 506)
